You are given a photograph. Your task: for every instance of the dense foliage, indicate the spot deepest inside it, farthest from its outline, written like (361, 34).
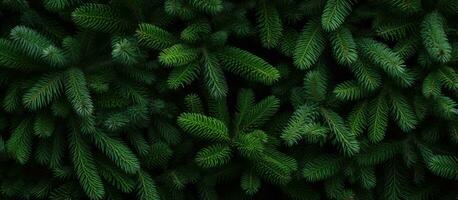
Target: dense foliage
(229, 99)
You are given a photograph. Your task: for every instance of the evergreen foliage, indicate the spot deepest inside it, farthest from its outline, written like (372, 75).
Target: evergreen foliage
(221, 99)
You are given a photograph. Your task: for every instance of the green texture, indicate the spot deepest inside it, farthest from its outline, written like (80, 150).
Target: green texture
(229, 99)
